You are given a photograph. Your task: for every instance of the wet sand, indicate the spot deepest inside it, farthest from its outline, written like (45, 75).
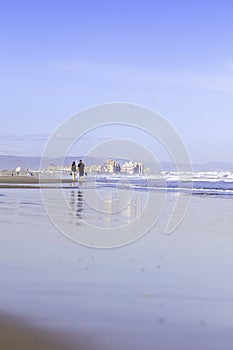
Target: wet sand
(170, 292)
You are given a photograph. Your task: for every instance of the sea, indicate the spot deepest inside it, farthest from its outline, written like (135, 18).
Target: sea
(204, 183)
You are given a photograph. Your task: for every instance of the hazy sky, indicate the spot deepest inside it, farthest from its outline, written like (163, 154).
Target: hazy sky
(175, 57)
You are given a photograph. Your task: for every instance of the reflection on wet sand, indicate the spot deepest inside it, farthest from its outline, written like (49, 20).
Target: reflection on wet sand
(106, 208)
(76, 204)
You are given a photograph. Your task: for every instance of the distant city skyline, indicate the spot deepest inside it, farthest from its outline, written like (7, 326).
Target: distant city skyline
(174, 57)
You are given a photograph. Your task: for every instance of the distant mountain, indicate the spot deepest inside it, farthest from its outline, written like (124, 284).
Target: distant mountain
(12, 162)
(213, 166)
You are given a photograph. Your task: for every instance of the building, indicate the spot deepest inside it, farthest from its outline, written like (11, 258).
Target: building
(113, 167)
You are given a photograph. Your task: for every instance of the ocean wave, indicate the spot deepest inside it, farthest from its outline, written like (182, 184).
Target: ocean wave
(195, 186)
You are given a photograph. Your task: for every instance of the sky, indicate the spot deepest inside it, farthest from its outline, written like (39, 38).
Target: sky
(60, 57)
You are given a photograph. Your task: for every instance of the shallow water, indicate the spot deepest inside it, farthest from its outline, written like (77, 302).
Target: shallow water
(162, 291)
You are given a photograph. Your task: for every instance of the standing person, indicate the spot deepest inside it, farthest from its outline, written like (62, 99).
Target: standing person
(73, 170)
(81, 167)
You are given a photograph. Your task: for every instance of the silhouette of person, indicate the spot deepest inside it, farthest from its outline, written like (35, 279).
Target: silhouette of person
(81, 167)
(73, 170)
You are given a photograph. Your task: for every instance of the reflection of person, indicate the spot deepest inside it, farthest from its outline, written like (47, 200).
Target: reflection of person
(73, 170)
(81, 167)
(76, 203)
(79, 205)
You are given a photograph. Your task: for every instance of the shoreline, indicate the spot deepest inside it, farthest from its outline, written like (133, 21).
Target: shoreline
(32, 180)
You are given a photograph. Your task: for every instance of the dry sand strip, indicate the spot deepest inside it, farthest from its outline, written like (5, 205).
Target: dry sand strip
(17, 335)
(34, 182)
(31, 180)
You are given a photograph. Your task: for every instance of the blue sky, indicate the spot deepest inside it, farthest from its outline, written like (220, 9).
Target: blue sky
(176, 57)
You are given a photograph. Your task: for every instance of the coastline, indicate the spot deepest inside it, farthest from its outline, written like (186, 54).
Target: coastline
(33, 182)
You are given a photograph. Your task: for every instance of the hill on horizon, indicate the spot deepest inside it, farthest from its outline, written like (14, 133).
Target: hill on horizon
(11, 162)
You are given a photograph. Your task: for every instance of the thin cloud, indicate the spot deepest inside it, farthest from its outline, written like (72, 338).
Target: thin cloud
(33, 137)
(131, 74)
(30, 144)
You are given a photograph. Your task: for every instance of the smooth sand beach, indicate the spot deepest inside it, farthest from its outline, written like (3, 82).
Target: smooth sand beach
(170, 292)
(21, 180)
